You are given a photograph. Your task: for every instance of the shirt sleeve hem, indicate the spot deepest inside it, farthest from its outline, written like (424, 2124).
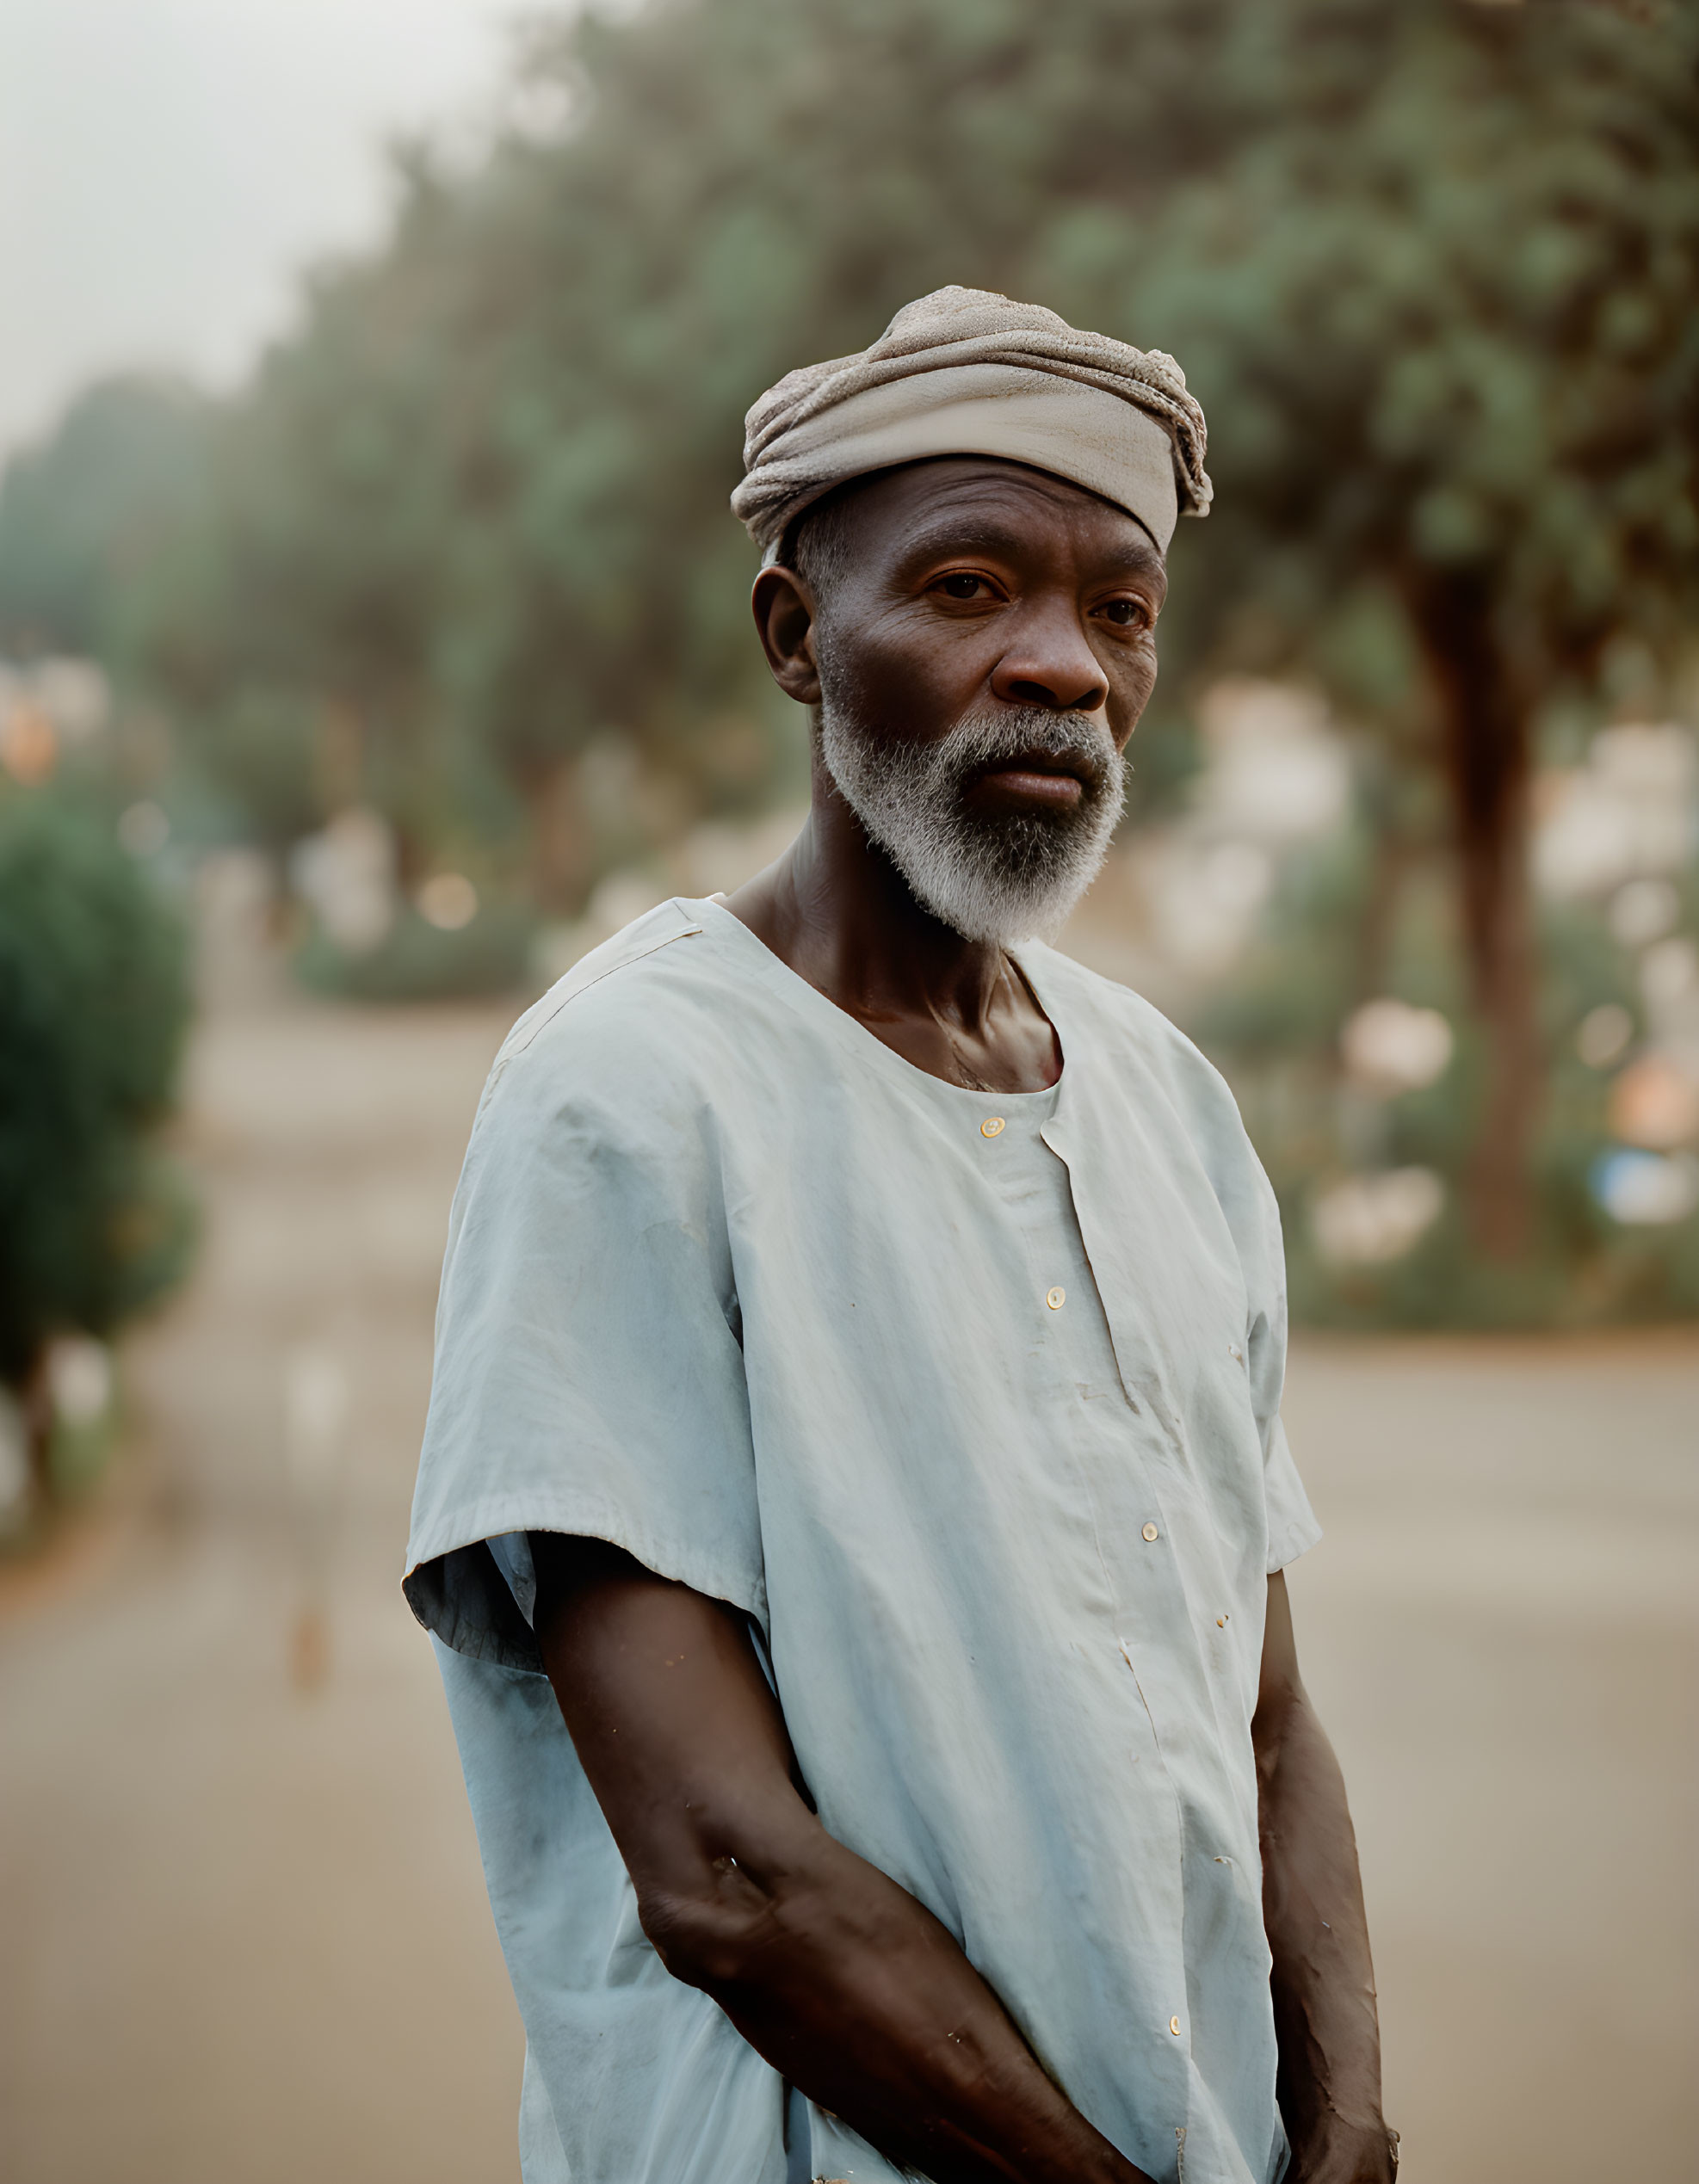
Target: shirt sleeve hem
(1294, 1537)
(454, 1589)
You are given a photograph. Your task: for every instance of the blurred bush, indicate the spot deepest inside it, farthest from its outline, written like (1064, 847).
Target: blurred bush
(95, 1222)
(1336, 1030)
(416, 960)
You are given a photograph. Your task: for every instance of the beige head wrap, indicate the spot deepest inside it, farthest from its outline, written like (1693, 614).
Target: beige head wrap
(964, 372)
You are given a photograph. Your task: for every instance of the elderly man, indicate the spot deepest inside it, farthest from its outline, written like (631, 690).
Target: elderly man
(853, 1500)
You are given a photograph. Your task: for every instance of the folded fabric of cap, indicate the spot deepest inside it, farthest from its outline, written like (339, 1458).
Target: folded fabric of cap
(965, 371)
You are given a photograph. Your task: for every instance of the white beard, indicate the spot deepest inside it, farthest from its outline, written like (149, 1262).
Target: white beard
(995, 880)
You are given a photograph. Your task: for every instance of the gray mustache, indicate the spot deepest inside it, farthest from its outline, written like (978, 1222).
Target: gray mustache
(980, 740)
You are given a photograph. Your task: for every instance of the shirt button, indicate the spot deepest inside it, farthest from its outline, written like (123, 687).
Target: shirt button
(1235, 1353)
(991, 1127)
(1174, 2026)
(1055, 1299)
(1150, 1531)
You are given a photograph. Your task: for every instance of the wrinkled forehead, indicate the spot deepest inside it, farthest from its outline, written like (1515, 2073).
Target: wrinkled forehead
(952, 503)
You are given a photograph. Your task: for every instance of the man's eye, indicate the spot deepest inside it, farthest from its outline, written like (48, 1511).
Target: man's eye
(1126, 612)
(962, 583)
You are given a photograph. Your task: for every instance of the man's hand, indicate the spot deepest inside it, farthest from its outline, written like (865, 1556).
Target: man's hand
(830, 1970)
(1323, 1980)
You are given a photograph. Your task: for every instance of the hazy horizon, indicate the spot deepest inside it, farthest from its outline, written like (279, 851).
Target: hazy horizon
(168, 169)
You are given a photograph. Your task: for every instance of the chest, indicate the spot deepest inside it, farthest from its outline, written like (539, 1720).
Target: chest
(979, 1295)
(935, 1233)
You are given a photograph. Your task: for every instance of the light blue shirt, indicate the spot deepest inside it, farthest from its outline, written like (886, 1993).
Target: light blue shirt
(971, 1401)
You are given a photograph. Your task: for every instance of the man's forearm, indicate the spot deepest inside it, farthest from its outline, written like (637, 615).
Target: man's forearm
(847, 1985)
(1322, 1978)
(833, 1972)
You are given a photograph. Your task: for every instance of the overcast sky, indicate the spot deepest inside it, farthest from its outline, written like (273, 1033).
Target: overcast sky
(167, 166)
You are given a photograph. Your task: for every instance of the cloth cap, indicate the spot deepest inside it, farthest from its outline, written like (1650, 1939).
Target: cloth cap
(965, 371)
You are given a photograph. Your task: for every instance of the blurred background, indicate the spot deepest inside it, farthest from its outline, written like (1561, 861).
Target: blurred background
(372, 641)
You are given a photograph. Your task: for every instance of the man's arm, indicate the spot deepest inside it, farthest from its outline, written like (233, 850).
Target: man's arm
(1323, 1980)
(835, 1974)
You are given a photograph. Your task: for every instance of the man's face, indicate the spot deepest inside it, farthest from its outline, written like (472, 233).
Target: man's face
(982, 661)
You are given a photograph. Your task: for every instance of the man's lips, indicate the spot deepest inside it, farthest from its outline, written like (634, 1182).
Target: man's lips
(1057, 777)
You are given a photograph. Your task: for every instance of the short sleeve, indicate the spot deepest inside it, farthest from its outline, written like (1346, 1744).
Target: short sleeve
(589, 1377)
(1293, 1530)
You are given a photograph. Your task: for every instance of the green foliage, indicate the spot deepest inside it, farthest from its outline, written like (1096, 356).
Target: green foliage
(85, 516)
(260, 752)
(1429, 266)
(93, 1002)
(415, 961)
(1441, 294)
(1273, 1027)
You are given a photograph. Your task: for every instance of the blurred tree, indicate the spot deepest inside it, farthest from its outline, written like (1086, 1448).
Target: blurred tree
(93, 1002)
(1429, 266)
(480, 503)
(83, 513)
(1272, 1026)
(1440, 297)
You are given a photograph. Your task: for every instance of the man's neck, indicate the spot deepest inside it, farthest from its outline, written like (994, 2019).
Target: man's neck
(836, 911)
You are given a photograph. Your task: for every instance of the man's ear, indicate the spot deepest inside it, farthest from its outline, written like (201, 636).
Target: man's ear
(783, 607)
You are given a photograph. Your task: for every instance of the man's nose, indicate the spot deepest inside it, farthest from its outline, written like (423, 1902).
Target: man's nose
(1052, 665)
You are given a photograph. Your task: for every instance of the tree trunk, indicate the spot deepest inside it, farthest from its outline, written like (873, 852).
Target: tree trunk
(559, 840)
(1487, 756)
(35, 1408)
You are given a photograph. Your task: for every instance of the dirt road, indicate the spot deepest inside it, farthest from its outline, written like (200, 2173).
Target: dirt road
(245, 1940)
